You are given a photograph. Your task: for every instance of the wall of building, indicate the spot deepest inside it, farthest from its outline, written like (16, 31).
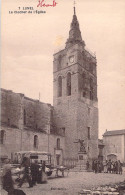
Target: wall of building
(114, 145)
(10, 108)
(87, 120)
(13, 105)
(54, 150)
(66, 116)
(38, 114)
(19, 132)
(22, 140)
(76, 116)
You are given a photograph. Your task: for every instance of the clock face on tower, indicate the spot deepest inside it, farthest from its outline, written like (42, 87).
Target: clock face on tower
(71, 59)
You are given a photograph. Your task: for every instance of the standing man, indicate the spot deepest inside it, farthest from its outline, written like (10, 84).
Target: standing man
(34, 172)
(119, 167)
(87, 165)
(44, 176)
(26, 164)
(96, 166)
(109, 166)
(93, 165)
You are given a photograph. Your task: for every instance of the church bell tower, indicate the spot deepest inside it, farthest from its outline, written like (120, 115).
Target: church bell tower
(75, 94)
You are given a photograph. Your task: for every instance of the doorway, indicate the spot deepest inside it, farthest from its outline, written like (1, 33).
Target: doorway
(57, 159)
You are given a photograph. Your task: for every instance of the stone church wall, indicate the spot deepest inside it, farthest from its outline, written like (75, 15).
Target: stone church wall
(15, 142)
(38, 121)
(37, 114)
(87, 118)
(10, 108)
(65, 116)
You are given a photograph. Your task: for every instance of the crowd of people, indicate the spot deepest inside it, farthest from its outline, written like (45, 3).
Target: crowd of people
(108, 166)
(33, 173)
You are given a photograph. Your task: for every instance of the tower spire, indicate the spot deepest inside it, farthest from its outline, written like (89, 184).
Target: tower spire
(74, 8)
(74, 33)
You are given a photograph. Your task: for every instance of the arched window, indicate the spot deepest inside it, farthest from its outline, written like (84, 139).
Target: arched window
(84, 84)
(91, 94)
(59, 86)
(91, 89)
(58, 143)
(83, 80)
(91, 83)
(24, 119)
(2, 136)
(69, 84)
(91, 67)
(35, 141)
(59, 62)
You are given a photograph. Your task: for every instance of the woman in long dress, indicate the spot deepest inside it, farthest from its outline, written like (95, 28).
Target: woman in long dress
(44, 176)
(105, 166)
(7, 180)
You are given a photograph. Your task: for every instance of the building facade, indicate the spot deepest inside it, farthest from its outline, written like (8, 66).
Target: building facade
(114, 142)
(29, 124)
(26, 125)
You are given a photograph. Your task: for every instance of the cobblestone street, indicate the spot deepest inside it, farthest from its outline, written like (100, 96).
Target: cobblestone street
(72, 183)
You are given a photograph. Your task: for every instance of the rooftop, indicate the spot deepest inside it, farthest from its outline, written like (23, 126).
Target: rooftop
(114, 132)
(25, 97)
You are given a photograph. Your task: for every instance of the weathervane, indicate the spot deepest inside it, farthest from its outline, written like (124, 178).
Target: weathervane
(74, 3)
(74, 7)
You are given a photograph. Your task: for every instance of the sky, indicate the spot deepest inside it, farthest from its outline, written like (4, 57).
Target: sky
(28, 42)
